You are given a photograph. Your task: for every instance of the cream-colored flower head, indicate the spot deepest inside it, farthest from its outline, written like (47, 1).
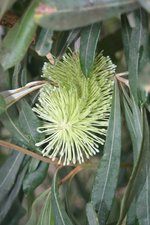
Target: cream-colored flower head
(75, 114)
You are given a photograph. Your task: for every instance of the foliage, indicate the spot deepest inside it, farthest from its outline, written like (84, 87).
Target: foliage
(113, 186)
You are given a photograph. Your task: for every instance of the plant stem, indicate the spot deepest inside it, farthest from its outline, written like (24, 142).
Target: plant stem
(71, 174)
(26, 152)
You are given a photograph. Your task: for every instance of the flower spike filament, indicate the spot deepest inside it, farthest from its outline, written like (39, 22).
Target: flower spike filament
(75, 114)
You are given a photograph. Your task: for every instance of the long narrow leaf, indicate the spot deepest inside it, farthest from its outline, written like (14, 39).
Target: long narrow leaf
(28, 122)
(2, 104)
(60, 215)
(72, 36)
(143, 202)
(18, 39)
(12, 195)
(88, 43)
(44, 43)
(41, 212)
(138, 176)
(131, 217)
(35, 178)
(10, 121)
(126, 33)
(138, 50)
(72, 14)
(8, 174)
(137, 119)
(134, 123)
(91, 215)
(107, 174)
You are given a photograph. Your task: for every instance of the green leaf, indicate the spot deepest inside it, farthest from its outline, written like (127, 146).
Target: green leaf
(29, 122)
(60, 40)
(42, 202)
(16, 76)
(67, 196)
(126, 34)
(19, 77)
(72, 14)
(143, 201)
(137, 119)
(107, 174)
(12, 195)
(8, 173)
(91, 215)
(134, 123)
(60, 215)
(88, 43)
(114, 213)
(46, 216)
(2, 104)
(10, 122)
(131, 217)
(18, 39)
(130, 122)
(35, 178)
(44, 43)
(5, 5)
(138, 176)
(12, 217)
(33, 165)
(145, 4)
(64, 41)
(138, 50)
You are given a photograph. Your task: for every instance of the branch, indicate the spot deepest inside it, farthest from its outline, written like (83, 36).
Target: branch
(26, 152)
(71, 174)
(42, 158)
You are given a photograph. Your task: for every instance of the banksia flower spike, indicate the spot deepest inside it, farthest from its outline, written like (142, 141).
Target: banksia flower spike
(75, 113)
